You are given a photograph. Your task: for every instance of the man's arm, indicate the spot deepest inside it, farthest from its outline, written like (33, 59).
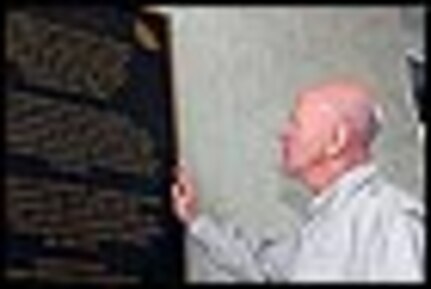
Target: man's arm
(225, 244)
(229, 248)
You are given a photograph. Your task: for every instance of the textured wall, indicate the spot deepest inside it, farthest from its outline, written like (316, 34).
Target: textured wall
(413, 24)
(236, 72)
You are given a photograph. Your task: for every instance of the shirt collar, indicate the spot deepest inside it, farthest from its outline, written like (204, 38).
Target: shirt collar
(343, 188)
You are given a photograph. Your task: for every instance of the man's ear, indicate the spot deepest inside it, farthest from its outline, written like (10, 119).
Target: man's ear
(338, 140)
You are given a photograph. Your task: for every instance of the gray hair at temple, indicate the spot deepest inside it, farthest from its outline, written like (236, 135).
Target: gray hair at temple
(354, 101)
(365, 116)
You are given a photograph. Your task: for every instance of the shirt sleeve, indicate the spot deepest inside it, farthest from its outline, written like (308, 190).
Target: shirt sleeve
(229, 248)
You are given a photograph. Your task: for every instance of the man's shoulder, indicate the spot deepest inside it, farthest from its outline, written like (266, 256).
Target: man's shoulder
(386, 207)
(394, 202)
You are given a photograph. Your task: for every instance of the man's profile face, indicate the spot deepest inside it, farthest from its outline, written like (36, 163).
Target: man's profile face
(304, 136)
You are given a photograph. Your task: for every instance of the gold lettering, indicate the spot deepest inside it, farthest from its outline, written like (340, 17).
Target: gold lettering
(60, 57)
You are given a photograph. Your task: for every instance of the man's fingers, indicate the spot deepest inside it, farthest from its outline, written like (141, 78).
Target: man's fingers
(182, 163)
(179, 190)
(183, 185)
(184, 178)
(176, 191)
(183, 194)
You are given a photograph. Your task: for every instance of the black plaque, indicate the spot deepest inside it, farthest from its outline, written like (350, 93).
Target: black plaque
(89, 147)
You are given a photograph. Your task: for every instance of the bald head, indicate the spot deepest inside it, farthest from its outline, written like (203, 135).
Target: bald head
(333, 125)
(349, 101)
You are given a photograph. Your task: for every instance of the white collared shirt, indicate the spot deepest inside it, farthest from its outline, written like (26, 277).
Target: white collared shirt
(361, 229)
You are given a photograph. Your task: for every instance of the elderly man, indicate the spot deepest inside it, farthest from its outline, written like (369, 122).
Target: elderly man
(361, 229)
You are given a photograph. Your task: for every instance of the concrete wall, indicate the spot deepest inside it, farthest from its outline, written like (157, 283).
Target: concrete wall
(236, 73)
(413, 25)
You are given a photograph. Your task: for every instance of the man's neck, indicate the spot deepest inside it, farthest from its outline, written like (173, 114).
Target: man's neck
(320, 177)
